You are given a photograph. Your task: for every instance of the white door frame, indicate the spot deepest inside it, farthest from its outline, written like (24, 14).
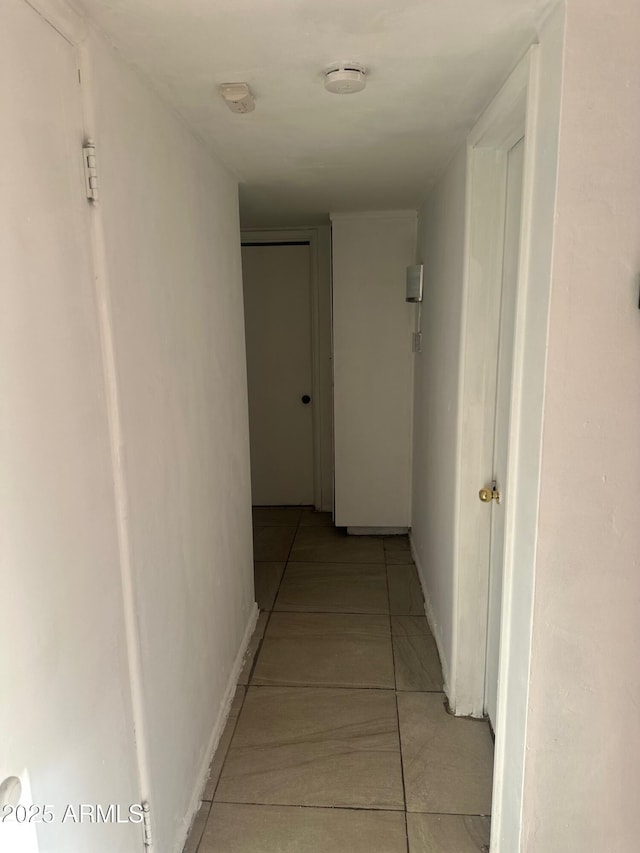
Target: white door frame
(488, 145)
(318, 238)
(510, 238)
(518, 110)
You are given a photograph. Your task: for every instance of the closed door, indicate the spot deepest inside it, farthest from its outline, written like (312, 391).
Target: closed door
(501, 429)
(277, 303)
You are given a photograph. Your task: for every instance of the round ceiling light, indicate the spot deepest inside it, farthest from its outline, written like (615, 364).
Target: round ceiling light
(345, 78)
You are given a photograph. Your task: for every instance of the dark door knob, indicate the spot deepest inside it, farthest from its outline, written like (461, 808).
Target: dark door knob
(306, 399)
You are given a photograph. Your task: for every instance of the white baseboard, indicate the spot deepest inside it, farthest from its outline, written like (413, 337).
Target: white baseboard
(221, 720)
(377, 531)
(433, 623)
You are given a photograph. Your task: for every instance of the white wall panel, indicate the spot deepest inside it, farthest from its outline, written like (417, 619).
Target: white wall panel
(373, 367)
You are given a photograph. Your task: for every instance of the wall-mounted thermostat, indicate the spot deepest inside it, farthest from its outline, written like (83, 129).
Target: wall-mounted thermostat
(414, 283)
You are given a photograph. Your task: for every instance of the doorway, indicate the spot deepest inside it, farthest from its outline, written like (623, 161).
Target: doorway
(493, 615)
(287, 300)
(504, 370)
(496, 163)
(277, 309)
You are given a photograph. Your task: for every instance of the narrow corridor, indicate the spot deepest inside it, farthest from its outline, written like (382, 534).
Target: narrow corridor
(338, 737)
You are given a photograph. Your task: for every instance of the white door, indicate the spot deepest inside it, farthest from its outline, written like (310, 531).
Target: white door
(501, 429)
(277, 304)
(66, 729)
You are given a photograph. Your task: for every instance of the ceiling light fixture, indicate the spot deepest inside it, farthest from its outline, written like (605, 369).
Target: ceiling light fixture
(238, 97)
(345, 78)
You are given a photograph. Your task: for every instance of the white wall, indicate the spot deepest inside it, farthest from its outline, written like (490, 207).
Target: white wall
(372, 328)
(66, 723)
(436, 380)
(126, 549)
(325, 367)
(582, 784)
(173, 273)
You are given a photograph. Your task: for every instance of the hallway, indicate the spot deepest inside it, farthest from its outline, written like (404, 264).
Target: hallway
(496, 419)
(340, 710)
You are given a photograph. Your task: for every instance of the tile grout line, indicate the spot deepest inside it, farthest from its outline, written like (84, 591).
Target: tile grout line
(395, 697)
(347, 687)
(343, 562)
(397, 693)
(388, 809)
(351, 687)
(272, 609)
(332, 612)
(336, 612)
(204, 823)
(343, 808)
(224, 760)
(364, 613)
(245, 687)
(404, 787)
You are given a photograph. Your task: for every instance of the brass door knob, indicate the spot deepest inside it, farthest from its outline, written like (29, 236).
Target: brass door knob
(488, 495)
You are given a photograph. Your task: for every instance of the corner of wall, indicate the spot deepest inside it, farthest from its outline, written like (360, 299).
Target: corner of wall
(216, 733)
(434, 625)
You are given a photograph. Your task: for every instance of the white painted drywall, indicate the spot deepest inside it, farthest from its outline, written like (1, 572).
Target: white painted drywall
(304, 151)
(66, 724)
(582, 784)
(373, 373)
(172, 253)
(441, 249)
(324, 368)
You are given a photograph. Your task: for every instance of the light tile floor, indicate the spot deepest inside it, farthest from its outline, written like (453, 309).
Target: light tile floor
(338, 740)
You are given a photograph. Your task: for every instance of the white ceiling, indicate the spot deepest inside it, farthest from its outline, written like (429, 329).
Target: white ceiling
(433, 65)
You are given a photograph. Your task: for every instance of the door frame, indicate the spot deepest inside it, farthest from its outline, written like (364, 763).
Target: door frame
(319, 240)
(532, 95)
(507, 290)
(528, 105)
(488, 145)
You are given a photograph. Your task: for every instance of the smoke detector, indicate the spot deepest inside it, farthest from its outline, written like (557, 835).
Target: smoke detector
(238, 97)
(344, 78)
